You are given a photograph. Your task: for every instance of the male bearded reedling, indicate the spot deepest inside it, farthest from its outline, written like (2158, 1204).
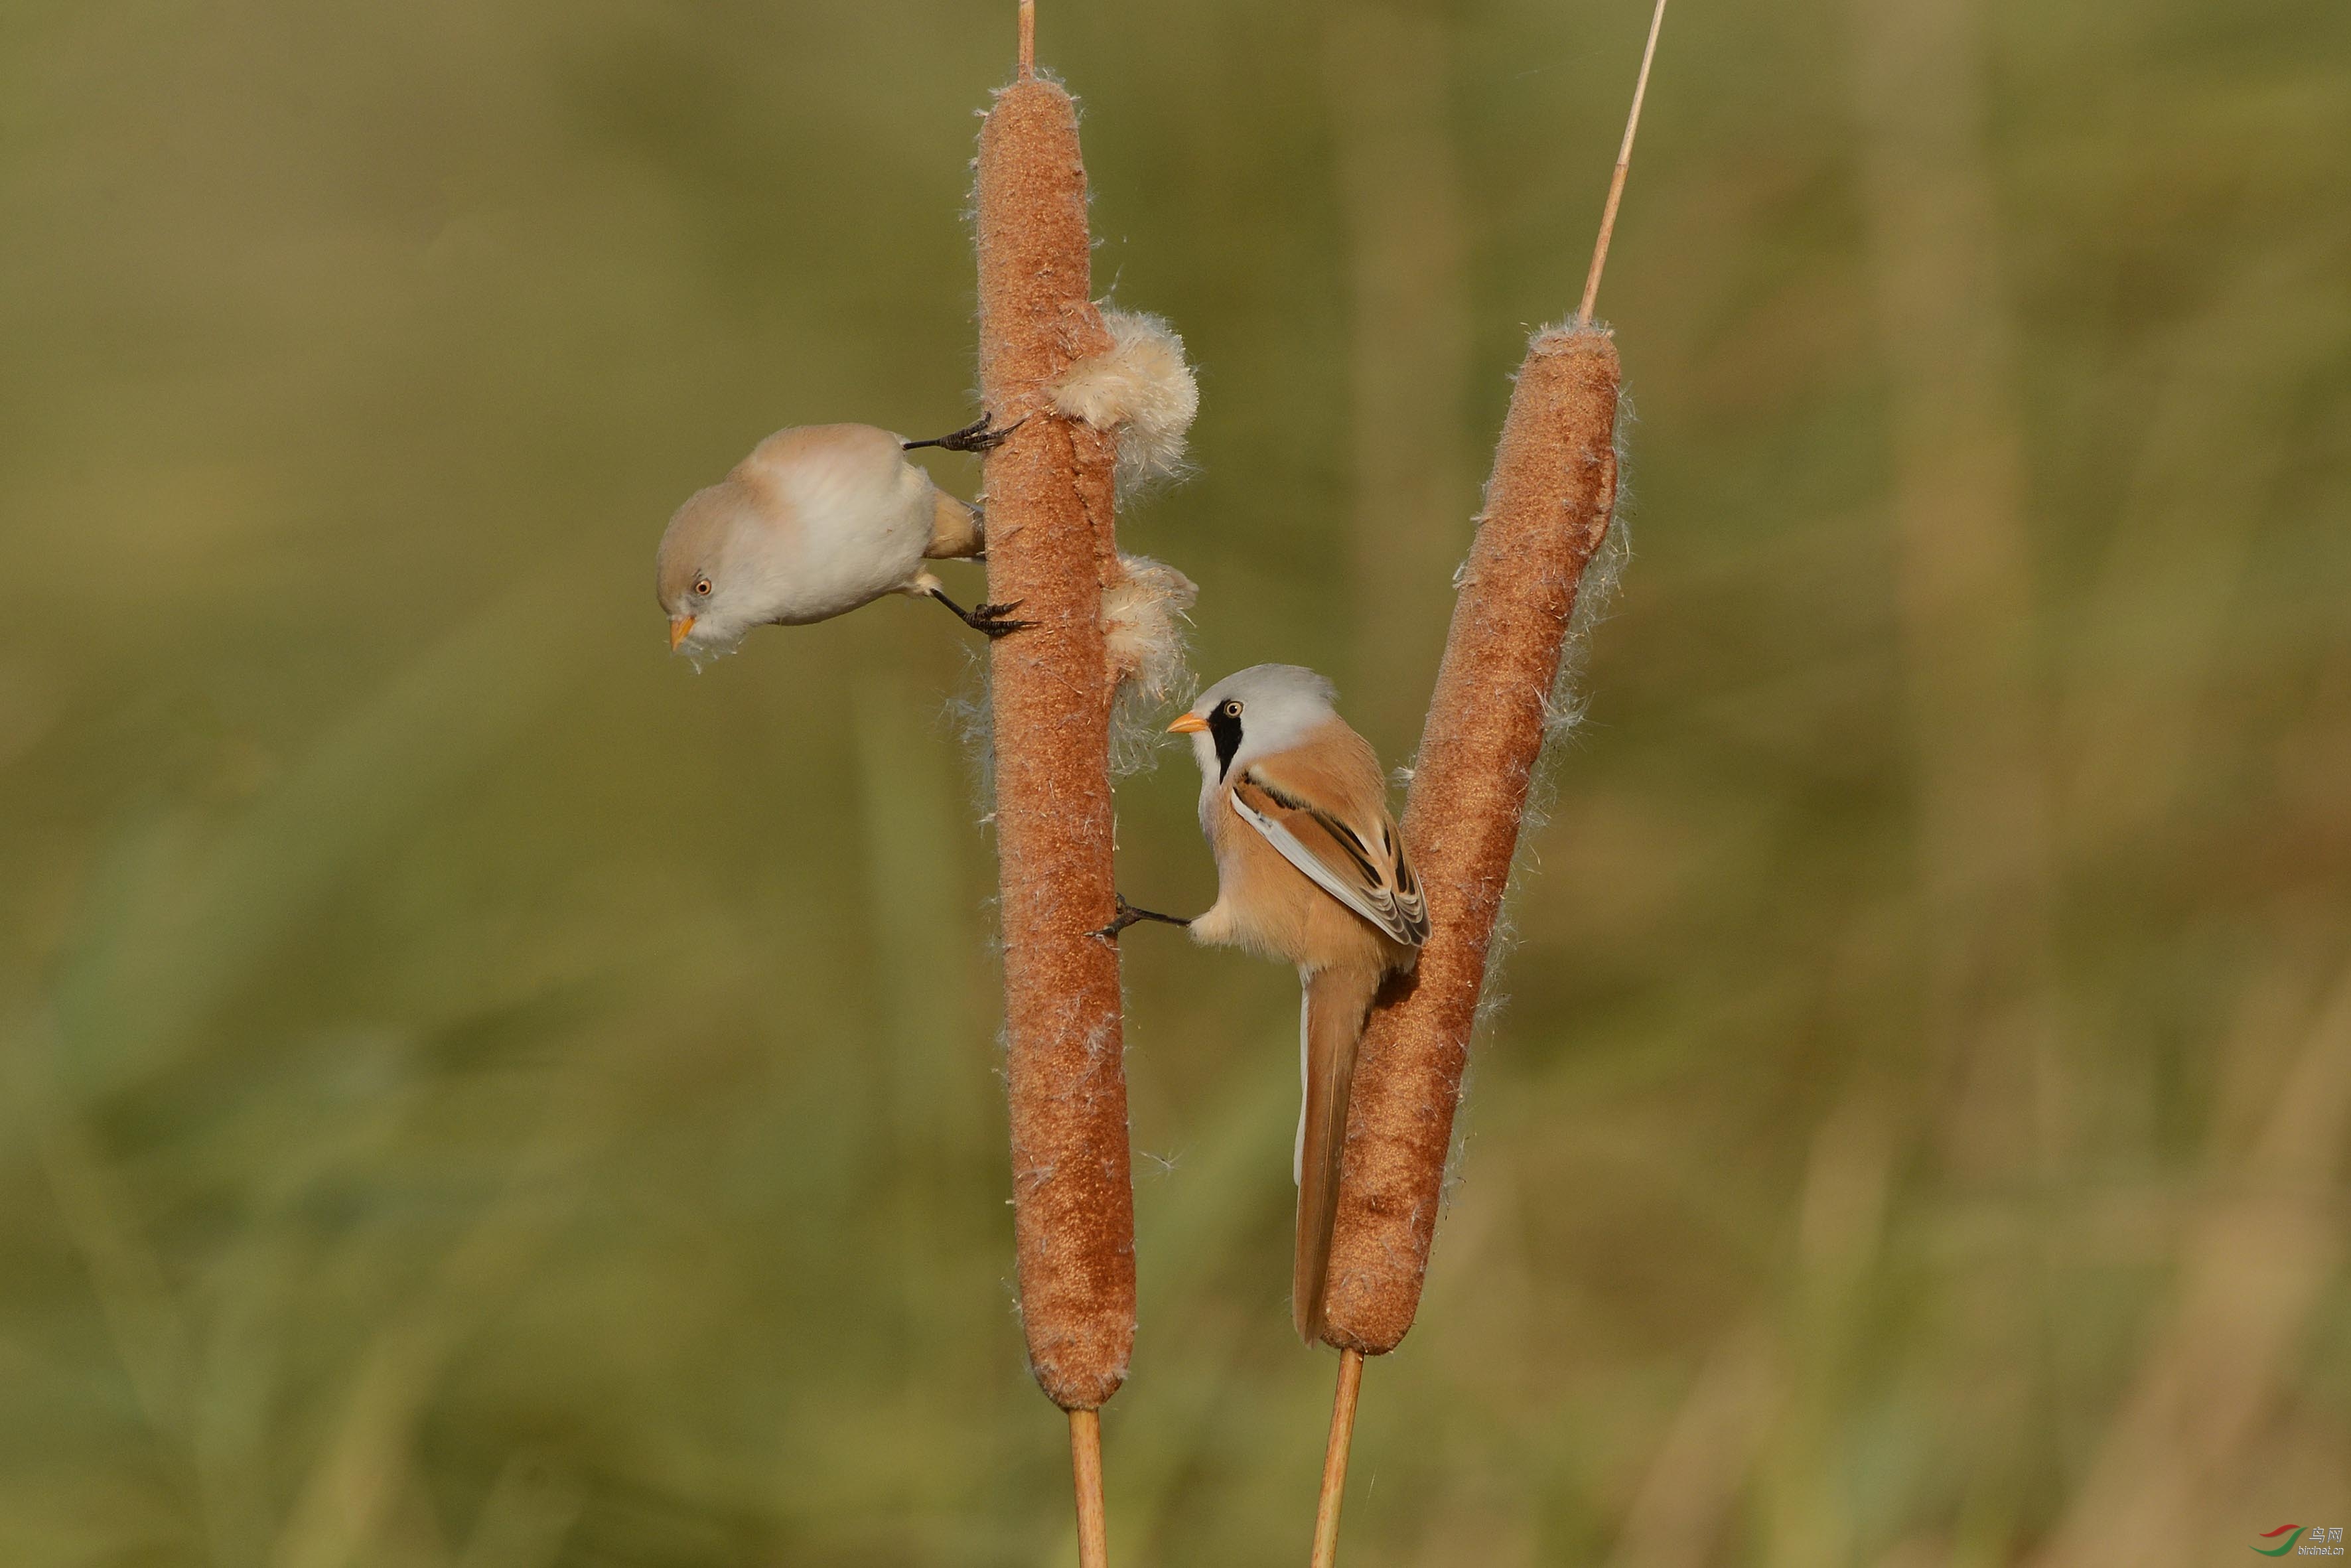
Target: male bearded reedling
(1310, 870)
(820, 519)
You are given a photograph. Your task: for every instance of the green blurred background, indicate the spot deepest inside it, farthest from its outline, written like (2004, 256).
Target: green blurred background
(475, 1095)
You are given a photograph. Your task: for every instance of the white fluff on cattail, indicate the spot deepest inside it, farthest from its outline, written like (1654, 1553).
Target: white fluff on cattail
(1140, 388)
(1595, 596)
(1143, 634)
(1142, 639)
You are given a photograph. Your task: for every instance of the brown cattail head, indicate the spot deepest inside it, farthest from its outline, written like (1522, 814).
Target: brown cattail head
(1548, 507)
(1051, 551)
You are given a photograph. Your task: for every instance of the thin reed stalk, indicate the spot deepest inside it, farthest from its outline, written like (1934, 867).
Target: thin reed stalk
(1334, 1459)
(1086, 1473)
(1052, 552)
(1624, 167)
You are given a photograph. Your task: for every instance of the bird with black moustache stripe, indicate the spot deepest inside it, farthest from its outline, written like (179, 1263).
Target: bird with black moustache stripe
(1311, 871)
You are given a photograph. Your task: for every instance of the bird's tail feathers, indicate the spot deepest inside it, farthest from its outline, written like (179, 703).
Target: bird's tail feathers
(955, 530)
(1331, 1025)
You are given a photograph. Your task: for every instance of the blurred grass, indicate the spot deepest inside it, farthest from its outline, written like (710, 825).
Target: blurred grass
(479, 1096)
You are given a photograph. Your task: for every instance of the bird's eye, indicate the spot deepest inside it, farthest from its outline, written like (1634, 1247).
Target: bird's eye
(1232, 709)
(701, 586)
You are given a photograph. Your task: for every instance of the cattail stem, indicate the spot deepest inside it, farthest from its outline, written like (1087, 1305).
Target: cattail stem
(1548, 507)
(1086, 1474)
(1027, 38)
(1048, 537)
(1334, 1459)
(1624, 164)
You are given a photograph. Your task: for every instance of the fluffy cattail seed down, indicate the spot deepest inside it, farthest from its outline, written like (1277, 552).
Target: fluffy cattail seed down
(1141, 390)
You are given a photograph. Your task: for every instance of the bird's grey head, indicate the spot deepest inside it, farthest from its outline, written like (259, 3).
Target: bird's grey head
(1264, 709)
(703, 574)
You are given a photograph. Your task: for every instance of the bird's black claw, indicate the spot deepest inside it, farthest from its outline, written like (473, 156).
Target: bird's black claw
(1128, 915)
(995, 620)
(990, 619)
(973, 437)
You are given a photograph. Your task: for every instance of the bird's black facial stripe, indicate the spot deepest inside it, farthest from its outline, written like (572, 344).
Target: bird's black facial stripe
(1225, 729)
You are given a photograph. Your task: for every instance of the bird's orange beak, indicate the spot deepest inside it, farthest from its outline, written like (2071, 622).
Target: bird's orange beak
(680, 628)
(1190, 724)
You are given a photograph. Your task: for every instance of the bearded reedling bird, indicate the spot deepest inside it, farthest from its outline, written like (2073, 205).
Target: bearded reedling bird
(1310, 869)
(820, 519)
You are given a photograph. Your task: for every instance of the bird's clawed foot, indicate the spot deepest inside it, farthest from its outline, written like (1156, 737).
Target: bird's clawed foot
(1130, 916)
(992, 620)
(973, 437)
(995, 620)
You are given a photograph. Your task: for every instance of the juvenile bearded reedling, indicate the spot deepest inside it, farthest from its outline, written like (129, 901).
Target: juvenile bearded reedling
(1311, 871)
(818, 520)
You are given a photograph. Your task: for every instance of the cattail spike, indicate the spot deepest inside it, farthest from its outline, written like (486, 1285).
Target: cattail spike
(1624, 164)
(1050, 549)
(1052, 553)
(1548, 507)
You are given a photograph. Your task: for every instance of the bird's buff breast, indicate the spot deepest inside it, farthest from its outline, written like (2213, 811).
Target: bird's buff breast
(1267, 906)
(860, 540)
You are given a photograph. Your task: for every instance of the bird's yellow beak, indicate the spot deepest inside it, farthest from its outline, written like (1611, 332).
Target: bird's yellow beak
(1190, 724)
(680, 628)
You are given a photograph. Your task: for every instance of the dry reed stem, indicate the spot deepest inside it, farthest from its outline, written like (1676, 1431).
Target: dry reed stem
(1050, 551)
(1334, 1459)
(1547, 509)
(1624, 166)
(1027, 38)
(1085, 1467)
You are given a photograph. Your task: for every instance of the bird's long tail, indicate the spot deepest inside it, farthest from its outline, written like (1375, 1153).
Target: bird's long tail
(1330, 1022)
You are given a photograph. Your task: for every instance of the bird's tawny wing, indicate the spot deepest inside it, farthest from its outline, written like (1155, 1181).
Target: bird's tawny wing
(1335, 828)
